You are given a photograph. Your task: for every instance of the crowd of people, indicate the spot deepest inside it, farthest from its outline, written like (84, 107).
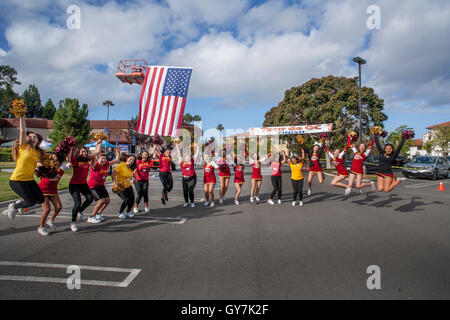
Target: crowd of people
(90, 172)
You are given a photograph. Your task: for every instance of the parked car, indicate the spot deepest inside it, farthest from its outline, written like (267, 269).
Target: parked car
(431, 167)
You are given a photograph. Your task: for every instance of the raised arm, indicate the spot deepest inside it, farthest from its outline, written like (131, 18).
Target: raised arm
(399, 148)
(155, 151)
(322, 147)
(377, 143)
(116, 158)
(22, 131)
(98, 148)
(369, 148)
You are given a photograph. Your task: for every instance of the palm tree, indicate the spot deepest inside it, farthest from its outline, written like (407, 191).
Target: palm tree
(220, 128)
(196, 118)
(108, 103)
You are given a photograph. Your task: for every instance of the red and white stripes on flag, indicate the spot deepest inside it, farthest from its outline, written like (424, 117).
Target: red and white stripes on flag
(163, 99)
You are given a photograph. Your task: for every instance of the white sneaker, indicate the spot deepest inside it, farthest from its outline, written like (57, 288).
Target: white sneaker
(186, 204)
(212, 204)
(51, 225)
(251, 199)
(73, 227)
(192, 204)
(279, 201)
(270, 201)
(293, 203)
(347, 191)
(93, 220)
(147, 209)
(257, 198)
(122, 215)
(100, 217)
(130, 215)
(10, 212)
(301, 204)
(43, 232)
(372, 185)
(236, 202)
(361, 191)
(220, 200)
(82, 217)
(206, 203)
(19, 211)
(136, 210)
(309, 192)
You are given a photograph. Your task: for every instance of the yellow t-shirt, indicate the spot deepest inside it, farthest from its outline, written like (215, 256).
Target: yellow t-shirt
(26, 164)
(124, 174)
(296, 171)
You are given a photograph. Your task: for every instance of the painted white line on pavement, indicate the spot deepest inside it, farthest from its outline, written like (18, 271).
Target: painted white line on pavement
(122, 284)
(421, 185)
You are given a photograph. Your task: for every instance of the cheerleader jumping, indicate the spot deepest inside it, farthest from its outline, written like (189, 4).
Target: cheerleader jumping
(357, 168)
(124, 174)
(209, 179)
(314, 166)
(97, 178)
(386, 181)
(189, 179)
(239, 179)
(337, 158)
(165, 172)
(142, 171)
(255, 162)
(27, 155)
(49, 188)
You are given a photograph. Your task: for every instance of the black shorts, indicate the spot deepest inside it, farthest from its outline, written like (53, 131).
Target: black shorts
(100, 192)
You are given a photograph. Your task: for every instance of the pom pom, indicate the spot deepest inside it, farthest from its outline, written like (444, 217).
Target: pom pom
(19, 109)
(323, 136)
(177, 140)
(62, 150)
(118, 187)
(407, 134)
(100, 135)
(157, 139)
(353, 136)
(384, 134)
(300, 139)
(48, 168)
(376, 130)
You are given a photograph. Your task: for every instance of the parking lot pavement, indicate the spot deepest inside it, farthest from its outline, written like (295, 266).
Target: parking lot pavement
(250, 251)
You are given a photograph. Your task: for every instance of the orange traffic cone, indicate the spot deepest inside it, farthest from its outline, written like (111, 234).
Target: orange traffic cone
(25, 209)
(441, 187)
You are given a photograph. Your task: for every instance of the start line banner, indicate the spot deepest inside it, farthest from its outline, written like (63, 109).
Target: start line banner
(310, 128)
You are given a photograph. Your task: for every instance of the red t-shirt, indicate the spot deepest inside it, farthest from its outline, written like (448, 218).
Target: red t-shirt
(98, 175)
(188, 169)
(276, 169)
(164, 163)
(80, 171)
(142, 170)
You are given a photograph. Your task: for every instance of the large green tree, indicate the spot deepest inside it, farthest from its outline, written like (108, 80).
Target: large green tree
(327, 100)
(8, 79)
(395, 137)
(32, 100)
(71, 120)
(440, 139)
(49, 110)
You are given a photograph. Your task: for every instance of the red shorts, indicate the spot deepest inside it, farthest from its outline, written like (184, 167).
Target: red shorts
(315, 170)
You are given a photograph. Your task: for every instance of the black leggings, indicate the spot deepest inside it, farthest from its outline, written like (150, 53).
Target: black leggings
(29, 191)
(276, 183)
(141, 191)
(188, 188)
(76, 190)
(297, 186)
(166, 180)
(127, 197)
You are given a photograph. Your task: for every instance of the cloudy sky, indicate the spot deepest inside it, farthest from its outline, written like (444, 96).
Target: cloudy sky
(245, 54)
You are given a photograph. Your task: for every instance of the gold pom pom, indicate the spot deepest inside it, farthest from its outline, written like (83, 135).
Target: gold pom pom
(19, 109)
(48, 160)
(300, 139)
(177, 140)
(100, 135)
(376, 130)
(118, 187)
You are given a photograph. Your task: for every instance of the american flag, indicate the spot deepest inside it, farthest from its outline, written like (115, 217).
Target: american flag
(163, 98)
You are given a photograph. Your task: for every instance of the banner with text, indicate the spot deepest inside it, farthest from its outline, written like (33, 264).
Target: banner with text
(304, 129)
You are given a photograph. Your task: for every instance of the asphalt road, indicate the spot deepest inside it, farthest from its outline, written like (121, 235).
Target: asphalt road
(252, 251)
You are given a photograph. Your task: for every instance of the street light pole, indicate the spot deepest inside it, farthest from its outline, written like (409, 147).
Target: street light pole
(359, 61)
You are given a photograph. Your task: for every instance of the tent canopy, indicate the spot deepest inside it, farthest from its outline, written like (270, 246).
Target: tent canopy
(44, 144)
(104, 144)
